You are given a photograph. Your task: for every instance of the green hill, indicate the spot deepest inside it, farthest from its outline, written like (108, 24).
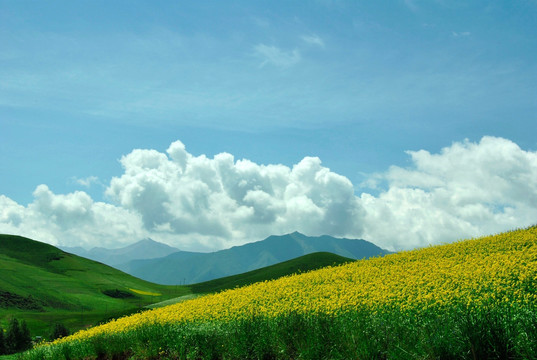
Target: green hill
(43, 285)
(301, 264)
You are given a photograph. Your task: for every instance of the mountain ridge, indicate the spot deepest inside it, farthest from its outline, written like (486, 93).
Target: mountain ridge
(190, 267)
(143, 249)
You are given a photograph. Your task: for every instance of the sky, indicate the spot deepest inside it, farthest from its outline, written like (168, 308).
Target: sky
(210, 124)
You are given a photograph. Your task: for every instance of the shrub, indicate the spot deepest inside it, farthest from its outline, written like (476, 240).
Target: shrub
(2, 342)
(17, 337)
(59, 331)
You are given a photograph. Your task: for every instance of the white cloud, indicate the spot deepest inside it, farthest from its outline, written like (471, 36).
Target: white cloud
(86, 182)
(232, 201)
(466, 190)
(275, 56)
(313, 40)
(200, 203)
(72, 220)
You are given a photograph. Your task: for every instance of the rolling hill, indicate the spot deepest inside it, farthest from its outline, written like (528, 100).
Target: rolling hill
(43, 284)
(300, 264)
(190, 267)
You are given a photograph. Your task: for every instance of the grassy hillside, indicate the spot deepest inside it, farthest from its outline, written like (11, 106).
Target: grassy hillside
(473, 299)
(301, 264)
(42, 284)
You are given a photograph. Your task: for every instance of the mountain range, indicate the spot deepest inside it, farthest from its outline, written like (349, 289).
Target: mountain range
(143, 249)
(183, 267)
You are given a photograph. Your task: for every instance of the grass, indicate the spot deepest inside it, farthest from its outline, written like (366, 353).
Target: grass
(44, 285)
(487, 334)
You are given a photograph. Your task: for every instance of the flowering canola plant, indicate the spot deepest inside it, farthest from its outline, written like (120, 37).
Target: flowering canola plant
(494, 270)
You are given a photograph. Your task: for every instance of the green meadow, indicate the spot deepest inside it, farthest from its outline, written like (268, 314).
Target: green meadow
(44, 285)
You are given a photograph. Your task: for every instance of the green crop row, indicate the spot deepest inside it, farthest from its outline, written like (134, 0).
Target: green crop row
(457, 333)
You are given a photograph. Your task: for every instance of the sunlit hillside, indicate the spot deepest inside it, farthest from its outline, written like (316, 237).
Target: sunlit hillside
(42, 285)
(494, 275)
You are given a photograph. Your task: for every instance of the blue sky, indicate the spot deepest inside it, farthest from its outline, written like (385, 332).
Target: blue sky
(356, 84)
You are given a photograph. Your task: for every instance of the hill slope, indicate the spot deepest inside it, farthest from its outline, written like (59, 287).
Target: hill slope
(187, 268)
(473, 299)
(298, 265)
(37, 280)
(301, 264)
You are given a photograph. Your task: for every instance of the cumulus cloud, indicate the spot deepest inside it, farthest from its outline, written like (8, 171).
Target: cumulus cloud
(466, 190)
(221, 201)
(201, 203)
(71, 220)
(276, 56)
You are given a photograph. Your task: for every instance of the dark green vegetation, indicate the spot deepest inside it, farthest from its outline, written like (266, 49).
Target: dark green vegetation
(189, 267)
(10, 300)
(59, 330)
(16, 339)
(488, 333)
(301, 264)
(44, 285)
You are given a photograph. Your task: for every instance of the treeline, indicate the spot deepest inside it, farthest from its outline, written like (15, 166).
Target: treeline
(16, 339)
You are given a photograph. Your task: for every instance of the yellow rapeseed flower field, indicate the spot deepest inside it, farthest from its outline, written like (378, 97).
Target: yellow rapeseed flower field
(492, 270)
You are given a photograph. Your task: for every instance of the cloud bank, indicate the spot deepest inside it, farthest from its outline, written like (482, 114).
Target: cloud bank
(200, 203)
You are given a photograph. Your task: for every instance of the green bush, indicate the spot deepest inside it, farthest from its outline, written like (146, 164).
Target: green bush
(3, 349)
(17, 337)
(59, 330)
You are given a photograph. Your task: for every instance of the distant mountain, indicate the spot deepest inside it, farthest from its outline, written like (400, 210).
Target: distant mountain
(143, 249)
(190, 267)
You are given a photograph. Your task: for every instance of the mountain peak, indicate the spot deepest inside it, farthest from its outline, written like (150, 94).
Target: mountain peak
(144, 249)
(146, 241)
